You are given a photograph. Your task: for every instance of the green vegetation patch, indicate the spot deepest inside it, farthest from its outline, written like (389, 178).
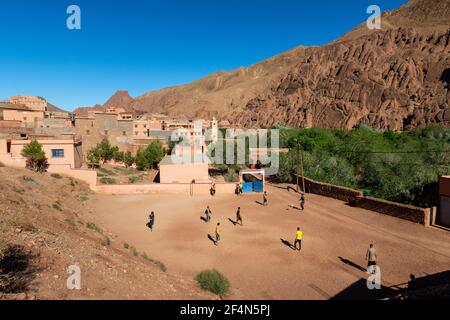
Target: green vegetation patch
(214, 281)
(398, 166)
(56, 176)
(57, 206)
(158, 263)
(107, 180)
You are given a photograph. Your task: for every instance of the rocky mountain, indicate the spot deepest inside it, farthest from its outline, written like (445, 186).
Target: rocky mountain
(121, 99)
(395, 78)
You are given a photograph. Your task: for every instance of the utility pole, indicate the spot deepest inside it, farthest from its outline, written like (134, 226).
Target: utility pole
(298, 164)
(303, 172)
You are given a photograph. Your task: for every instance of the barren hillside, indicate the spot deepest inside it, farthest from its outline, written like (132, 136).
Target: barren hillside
(45, 227)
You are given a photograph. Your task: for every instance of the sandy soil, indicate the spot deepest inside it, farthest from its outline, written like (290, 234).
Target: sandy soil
(253, 256)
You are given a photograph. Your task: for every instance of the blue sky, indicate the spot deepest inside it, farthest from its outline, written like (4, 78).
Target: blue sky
(139, 45)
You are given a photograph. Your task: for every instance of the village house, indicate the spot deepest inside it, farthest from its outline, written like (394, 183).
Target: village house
(63, 153)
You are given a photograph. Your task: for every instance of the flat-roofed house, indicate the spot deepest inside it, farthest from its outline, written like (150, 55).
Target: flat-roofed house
(29, 118)
(63, 153)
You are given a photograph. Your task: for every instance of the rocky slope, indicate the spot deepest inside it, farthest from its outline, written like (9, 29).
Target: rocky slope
(46, 226)
(395, 78)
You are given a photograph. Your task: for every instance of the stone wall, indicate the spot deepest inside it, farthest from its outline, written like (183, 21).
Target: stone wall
(394, 209)
(10, 124)
(356, 198)
(329, 190)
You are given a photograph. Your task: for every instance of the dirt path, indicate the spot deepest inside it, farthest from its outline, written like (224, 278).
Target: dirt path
(254, 258)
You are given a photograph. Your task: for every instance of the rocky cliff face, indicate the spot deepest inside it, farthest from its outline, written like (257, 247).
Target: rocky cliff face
(395, 78)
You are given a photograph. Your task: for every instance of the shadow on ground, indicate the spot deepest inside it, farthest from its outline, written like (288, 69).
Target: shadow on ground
(287, 244)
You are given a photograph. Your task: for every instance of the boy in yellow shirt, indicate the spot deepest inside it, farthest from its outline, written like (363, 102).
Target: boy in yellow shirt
(298, 239)
(217, 232)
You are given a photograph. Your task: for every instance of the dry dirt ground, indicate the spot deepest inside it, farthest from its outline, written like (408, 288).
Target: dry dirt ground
(46, 220)
(254, 258)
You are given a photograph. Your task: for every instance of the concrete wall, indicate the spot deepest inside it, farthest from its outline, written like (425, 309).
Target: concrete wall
(16, 124)
(183, 173)
(166, 188)
(356, 198)
(88, 176)
(28, 118)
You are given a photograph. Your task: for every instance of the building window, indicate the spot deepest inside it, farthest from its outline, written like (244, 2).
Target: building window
(24, 118)
(136, 126)
(106, 132)
(136, 133)
(124, 133)
(57, 153)
(145, 126)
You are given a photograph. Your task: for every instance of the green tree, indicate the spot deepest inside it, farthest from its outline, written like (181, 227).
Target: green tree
(149, 157)
(93, 155)
(119, 156)
(103, 151)
(35, 155)
(128, 159)
(106, 150)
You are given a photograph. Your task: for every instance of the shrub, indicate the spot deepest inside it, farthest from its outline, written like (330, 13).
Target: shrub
(29, 180)
(56, 176)
(70, 222)
(35, 155)
(72, 182)
(214, 281)
(126, 245)
(128, 159)
(118, 155)
(106, 172)
(18, 190)
(56, 205)
(93, 226)
(158, 263)
(106, 241)
(107, 180)
(16, 270)
(134, 251)
(82, 197)
(134, 179)
(231, 176)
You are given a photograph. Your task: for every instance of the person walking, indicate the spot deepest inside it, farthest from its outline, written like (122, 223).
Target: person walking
(217, 233)
(298, 239)
(302, 201)
(208, 214)
(239, 217)
(265, 200)
(151, 221)
(213, 189)
(371, 257)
